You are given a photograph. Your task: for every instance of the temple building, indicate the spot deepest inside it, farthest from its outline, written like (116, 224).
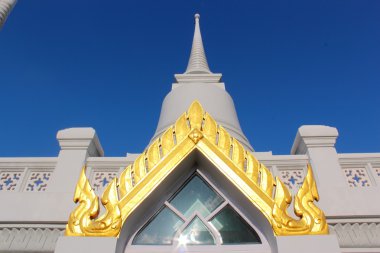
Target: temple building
(199, 186)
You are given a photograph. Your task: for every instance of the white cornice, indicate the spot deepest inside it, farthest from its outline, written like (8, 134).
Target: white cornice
(84, 138)
(314, 136)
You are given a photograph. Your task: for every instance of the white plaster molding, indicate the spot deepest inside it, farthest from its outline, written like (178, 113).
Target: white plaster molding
(357, 219)
(360, 250)
(75, 244)
(198, 78)
(30, 207)
(29, 239)
(357, 235)
(80, 139)
(309, 244)
(312, 136)
(132, 156)
(264, 154)
(283, 160)
(108, 162)
(29, 162)
(270, 157)
(359, 158)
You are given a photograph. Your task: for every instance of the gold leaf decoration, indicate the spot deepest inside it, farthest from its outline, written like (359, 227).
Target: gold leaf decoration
(139, 169)
(196, 129)
(181, 128)
(252, 167)
(238, 154)
(153, 155)
(224, 141)
(83, 220)
(313, 220)
(167, 141)
(87, 209)
(209, 128)
(266, 180)
(109, 224)
(282, 200)
(195, 116)
(304, 205)
(125, 181)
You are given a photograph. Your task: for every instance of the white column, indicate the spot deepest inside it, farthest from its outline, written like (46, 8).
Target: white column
(337, 199)
(318, 142)
(76, 145)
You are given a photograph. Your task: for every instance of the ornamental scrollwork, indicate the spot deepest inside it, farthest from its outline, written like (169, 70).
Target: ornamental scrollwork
(196, 129)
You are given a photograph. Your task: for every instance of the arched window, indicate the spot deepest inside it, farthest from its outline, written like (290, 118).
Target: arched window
(196, 215)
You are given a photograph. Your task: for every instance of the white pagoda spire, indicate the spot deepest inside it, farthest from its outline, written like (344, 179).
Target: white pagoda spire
(199, 83)
(197, 62)
(5, 8)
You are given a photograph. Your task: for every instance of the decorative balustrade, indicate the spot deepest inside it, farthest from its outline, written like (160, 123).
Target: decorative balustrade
(361, 170)
(291, 169)
(34, 174)
(101, 170)
(25, 174)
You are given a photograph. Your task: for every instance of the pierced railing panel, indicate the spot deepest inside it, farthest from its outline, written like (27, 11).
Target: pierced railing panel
(361, 170)
(26, 174)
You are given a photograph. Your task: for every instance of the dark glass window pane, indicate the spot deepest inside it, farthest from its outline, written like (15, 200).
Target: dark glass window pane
(233, 228)
(160, 230)
(196, 196)
(196, 234)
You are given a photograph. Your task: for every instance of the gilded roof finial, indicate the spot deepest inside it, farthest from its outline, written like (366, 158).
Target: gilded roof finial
(197, 62)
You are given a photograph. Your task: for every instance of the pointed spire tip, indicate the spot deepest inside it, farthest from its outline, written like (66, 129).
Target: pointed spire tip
(197, 62)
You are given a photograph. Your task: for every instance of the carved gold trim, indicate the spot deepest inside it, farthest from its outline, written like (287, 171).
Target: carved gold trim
(196, 129)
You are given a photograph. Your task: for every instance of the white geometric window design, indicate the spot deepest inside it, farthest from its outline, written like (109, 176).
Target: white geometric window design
(100, 179)
(293, 178)
(38, 181)
(357, 177)
(9, 180)
(377, 172)
(196, 215)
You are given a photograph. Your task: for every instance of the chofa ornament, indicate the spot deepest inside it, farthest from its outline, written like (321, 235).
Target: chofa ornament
(196, 129)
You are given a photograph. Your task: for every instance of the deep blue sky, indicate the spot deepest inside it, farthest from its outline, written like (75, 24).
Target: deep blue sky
(109, 64)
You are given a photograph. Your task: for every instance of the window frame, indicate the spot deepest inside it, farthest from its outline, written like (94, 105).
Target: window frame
(262, 247)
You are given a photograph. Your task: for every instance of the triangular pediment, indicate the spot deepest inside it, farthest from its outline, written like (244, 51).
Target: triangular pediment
(196, 130)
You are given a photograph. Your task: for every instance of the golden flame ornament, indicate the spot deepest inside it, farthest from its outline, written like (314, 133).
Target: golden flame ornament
(196, 129)
(84, 219)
